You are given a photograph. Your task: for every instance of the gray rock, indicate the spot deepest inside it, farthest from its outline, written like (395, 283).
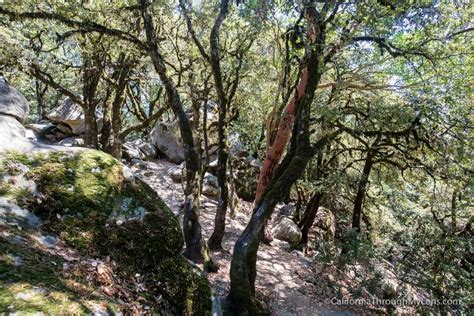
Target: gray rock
(287, 210)
(166, 138)
(41, 128)
(288, 231)
(138, 163)
(176, 173)
(324, 226)
(210, 180)
(128, 174)
(138, 149)
(210, 191)
(148, 150)
(246, 171)
(132, 151)
(11, 129)
(12, 214)
(75, 141)
(48, 241)
(24, 296)
(12, 102)
(29, 134)
(69, 114)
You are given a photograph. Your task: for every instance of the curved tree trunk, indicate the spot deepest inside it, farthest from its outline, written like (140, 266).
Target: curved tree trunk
(196, 248)
(243, 266)
(273, 184)
(215, 241)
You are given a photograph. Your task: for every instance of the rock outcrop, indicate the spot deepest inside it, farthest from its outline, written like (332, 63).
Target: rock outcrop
(12, 102)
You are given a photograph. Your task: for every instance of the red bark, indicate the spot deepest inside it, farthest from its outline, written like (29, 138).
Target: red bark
(274, 152)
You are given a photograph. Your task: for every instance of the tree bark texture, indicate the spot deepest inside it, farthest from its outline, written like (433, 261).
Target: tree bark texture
(196, 248)
(215, 241)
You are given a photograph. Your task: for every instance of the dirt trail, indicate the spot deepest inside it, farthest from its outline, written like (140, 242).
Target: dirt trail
(282, 278)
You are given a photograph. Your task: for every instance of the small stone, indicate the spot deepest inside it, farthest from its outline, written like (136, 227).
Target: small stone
(23, 296)
(48, 241)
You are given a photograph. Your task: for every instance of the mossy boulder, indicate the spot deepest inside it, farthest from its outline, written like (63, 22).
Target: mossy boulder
(183, 286)
(95, 206)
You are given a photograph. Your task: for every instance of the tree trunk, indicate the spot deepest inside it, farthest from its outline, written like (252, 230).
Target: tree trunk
(361, 191)
(90, 127)
(309, 215)
(92, 71)
(276, 147)
(196, 248)
(274, 152)
(40, 92)
(274, 183)
(106, 129)
(215, 241)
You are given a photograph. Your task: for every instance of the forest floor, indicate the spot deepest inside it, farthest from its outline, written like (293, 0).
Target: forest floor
(283, 277)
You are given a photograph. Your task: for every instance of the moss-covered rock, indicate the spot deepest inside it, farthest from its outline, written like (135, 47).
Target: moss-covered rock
(33, 280)
(183, 286)
(92, 203)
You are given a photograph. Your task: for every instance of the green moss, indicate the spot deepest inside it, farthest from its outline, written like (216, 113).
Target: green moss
(85, 200)
(141, 244)
(189, 291)
(38, 284)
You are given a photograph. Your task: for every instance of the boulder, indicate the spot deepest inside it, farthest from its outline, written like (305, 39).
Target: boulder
(324, 227)
(138, 149)
(210, 187)
(148, 150)
(210, 191)
(12, 102)
(166, 138)
(246, 171)
(31, 135)
(388, 282)
(41, 128)
(13, 110)
(138, 163)
(93, 221)
(288, 231)
(13, 134)
(69, 116)
(210, 180)
(176, 173)
(287, 210)
(89, 204)
(236, 148)
(131, 151)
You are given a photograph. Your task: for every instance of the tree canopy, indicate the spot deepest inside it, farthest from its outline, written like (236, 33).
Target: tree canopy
(362, 107)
